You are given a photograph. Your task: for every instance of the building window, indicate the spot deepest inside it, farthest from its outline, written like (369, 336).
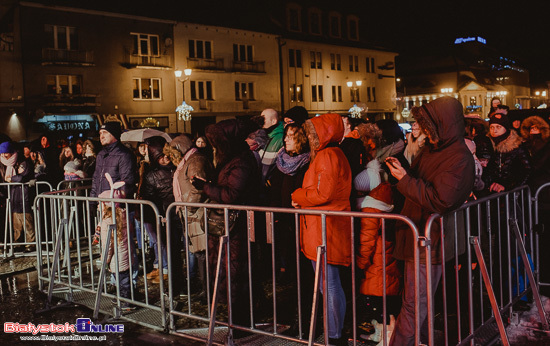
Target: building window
(335, 62)
(294, 58)
(353, 28)
(244, 91)
(61, 37)
(314, 21)
(63, 84)
(370, 65)
(371, 95)
(354, 95)
(316, 61)
(201, 90)
(336, 93)
(317, 93)
(334, 21)
(296, 93)
(147, 89)
(293, 13)
(353, 63)
(200, 49)
(145, 45)
(243, 52)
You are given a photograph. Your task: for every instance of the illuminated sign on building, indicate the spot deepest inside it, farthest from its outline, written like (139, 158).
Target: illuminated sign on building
(470, 39)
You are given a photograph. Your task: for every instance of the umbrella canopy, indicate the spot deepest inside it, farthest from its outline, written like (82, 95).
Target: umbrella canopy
(140, 135)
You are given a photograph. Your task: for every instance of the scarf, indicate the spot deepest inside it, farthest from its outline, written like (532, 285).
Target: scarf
(175, 184)
(290, 165)
(10, 165)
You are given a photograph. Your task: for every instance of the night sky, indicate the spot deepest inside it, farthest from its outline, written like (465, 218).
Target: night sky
(519, 30)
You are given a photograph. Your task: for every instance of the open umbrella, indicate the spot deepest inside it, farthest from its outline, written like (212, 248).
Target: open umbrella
(140, 135)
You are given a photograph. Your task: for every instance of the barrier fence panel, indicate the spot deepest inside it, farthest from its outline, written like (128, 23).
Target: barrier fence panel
(476, 293)
(104, 273)
(19, 225)
(264, 289)
(541, 209)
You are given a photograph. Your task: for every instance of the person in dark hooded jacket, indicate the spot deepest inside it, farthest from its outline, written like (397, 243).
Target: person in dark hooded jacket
(237, 181)
(440, 180)
(158, 188)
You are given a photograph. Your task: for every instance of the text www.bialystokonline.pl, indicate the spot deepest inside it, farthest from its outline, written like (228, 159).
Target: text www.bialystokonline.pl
(63, 338)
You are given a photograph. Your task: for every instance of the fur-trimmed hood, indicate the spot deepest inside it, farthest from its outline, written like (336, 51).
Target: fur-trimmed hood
(540, 122)
(513, 141)
(324, 129)
(442, 120)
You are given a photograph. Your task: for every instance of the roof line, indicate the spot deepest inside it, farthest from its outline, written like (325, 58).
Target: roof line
(95, 12)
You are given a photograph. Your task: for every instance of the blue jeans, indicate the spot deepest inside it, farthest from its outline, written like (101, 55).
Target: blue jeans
(336, 297)
(404, 331)
(124, 283)
(153, 242)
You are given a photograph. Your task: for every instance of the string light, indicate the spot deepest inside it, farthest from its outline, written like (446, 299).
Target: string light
(184, 111)
(356, 111)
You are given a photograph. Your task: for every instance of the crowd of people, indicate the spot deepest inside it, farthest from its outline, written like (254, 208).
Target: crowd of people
(328, 162)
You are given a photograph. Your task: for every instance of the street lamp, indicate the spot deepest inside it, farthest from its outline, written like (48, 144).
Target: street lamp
(354, 90)
(183, 110)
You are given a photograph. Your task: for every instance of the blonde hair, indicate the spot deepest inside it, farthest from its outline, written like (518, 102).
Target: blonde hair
(108, 213)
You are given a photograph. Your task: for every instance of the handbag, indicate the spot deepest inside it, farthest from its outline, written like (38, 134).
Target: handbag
(216, 221)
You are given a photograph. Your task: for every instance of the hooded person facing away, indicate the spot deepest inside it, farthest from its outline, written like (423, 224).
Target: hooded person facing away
(440, 179)
(327, 186)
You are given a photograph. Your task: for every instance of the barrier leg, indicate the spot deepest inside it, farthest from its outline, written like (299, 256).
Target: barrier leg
(315, 304)
(223, 241)
(529, 270)
(490, 291)
(102, 272)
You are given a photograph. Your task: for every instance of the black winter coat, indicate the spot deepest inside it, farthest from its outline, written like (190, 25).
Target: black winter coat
(120, 163)
(16, 193)
(509, 165)
(158, 188)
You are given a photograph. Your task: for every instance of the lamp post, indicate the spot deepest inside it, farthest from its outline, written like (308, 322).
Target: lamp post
(354, 90)
(183, 110)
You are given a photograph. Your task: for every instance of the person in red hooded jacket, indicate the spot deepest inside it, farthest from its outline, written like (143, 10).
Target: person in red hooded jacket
(327, 186)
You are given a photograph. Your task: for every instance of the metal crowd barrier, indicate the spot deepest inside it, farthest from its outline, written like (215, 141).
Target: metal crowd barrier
(16, 247)
(216, 328)
(76, 270)
(480, 287)
(540, 227)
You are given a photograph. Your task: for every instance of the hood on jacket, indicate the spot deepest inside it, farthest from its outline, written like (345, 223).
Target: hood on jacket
(541, 124)
(512, 142)
(155, 146)
(228, 138)
(442, 120)
(323, 130)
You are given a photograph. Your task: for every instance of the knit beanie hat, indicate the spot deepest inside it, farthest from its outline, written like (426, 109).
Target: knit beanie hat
(7, 148)
(501, 119)
(113, 127)
(298, 114)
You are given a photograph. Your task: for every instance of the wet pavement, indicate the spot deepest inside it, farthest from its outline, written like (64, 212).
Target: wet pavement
(20, 300)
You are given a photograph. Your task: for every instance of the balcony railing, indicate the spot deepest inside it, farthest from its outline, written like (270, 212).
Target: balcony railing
(134, 60)
(249, 66)
(70, 100)
(67, 57)
(205, 64)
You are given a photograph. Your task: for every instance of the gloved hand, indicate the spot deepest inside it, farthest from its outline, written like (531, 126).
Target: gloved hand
(198, 182)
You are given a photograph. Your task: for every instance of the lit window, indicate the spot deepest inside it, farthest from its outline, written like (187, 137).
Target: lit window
(147, 89)
(296, 93)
